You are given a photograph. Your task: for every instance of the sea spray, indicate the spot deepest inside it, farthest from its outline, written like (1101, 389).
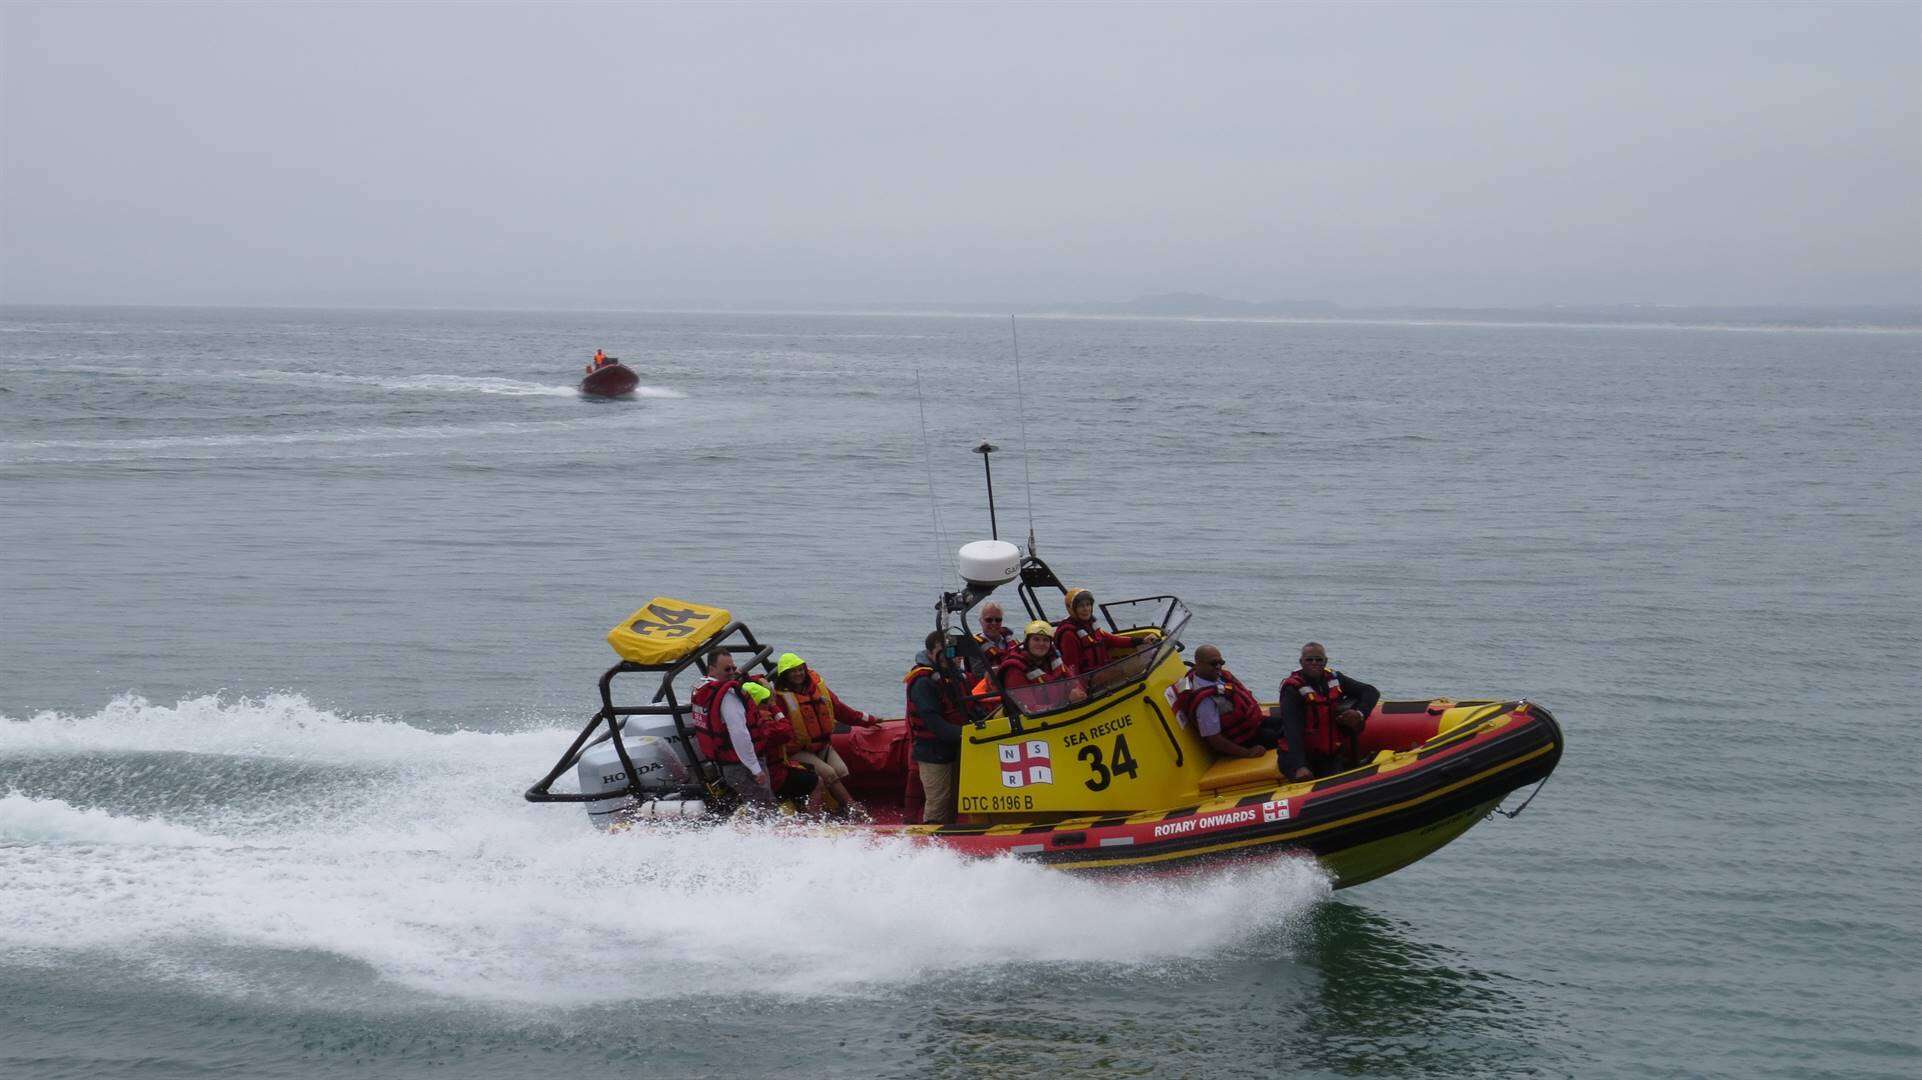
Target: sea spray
(414, 857)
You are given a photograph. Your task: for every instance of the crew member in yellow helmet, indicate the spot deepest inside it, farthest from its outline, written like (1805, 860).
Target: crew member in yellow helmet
(1036, 662)
(813, 709)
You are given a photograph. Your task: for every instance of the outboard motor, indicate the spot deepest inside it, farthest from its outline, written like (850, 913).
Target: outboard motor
(655, 749)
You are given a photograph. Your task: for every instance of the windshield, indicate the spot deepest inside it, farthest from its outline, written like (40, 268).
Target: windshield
(1146, 613)
(1053, 696)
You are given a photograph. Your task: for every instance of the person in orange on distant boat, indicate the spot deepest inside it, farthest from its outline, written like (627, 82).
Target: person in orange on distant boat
(1085, 646)
(813, 710)
(601, 360)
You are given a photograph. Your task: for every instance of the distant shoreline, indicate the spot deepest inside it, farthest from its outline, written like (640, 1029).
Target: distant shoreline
(1852, 319)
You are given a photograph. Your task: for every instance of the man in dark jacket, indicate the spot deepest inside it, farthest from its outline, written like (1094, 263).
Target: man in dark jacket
(937, 707)
(1322, 713)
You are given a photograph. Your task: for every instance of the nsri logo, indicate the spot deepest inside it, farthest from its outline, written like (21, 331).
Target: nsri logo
(1026, 763)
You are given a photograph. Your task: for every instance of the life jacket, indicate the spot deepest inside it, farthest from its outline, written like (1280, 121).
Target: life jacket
(1091, 642)
(1319, 712)
(1240, 713)
(998, 648)
(710, 729)
(951, 709)
(811, 712)
(777, 733)
(1035, 671)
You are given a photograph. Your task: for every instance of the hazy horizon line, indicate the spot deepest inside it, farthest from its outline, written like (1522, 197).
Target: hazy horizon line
(1903, 317)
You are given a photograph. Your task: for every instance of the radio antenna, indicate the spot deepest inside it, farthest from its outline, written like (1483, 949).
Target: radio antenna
(1021, 416)
(934, 505)
(986, 448)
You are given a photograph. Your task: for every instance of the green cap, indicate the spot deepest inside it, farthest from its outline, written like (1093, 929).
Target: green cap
(787, 663)
(756, 691)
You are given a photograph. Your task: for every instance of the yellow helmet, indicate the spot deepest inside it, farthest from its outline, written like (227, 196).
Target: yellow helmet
(755, 690)
(1039, 627)
(787, 663)
(1075, 596)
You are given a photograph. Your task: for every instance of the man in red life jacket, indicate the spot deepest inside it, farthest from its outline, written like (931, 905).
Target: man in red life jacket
(744, 737)
(997, 641)
(1085, 646)
(937, 711)
(1322, 713)
(1224, 712)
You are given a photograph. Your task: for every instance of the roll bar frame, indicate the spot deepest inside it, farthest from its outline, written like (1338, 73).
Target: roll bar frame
(613, 716)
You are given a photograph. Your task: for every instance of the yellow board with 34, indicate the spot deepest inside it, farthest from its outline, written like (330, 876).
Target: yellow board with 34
(665, 630)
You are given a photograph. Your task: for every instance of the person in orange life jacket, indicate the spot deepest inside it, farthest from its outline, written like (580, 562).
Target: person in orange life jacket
(769, 727)
(1223, 710)
(814, 710)
(937, 710)
(1085, 646)
(599, 362)
(1320, 711)
(742, 736)
(788, 782)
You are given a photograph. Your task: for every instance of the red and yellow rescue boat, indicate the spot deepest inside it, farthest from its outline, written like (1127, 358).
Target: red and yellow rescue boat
(1101, 774)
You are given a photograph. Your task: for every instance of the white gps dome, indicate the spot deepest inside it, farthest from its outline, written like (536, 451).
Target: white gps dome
(987, 563)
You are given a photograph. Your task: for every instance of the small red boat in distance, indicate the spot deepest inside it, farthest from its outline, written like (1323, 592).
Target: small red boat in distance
(608, 377)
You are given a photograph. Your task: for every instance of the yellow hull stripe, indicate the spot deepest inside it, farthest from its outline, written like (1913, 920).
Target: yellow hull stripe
(1231, 845)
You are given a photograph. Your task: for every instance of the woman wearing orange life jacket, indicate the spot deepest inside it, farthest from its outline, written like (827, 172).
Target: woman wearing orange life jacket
(1085, 646)
(813, 710)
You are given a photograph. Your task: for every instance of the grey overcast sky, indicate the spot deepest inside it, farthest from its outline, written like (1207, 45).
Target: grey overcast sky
(645, 156)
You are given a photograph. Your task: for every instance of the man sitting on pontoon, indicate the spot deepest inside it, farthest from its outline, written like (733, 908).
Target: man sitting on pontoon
(1322, 713)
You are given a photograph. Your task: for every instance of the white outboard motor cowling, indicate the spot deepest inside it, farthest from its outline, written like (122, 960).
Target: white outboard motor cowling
(654, 747)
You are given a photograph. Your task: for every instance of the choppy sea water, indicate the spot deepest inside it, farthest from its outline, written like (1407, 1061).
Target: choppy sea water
(293, 605)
